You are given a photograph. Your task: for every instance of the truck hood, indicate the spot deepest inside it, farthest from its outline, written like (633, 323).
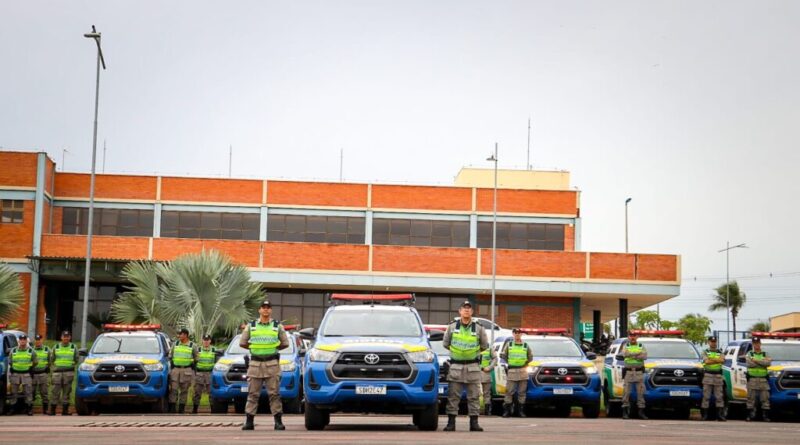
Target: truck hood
(780, 366)
(671, 363)
(560, 361)
(371, 344)
(147, 359)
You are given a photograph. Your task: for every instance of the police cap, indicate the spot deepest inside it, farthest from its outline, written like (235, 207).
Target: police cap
(266, 303)
(712, 338)
(66, 334)
(515, 330)
(207, 337)
(756, 340)
(183, 331)
(38, 336)
(23, 337)
(466, 303)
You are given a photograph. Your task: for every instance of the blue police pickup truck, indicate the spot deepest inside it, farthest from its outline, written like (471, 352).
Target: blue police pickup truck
(371, 356)
(9, 342)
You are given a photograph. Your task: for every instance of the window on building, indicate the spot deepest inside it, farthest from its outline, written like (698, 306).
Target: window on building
(303, 308)
(513, 316)
(210, 225)
(12, 211)
(412, 232)
(522, 236)
(316, 229)
(439, 308)
(114, 222)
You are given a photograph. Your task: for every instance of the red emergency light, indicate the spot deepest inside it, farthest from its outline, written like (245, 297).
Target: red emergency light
(656, 333)
(544, 331)
(290, 327)
(131, 327)
(783, 335)
(3, 326)
(435, 327)
(372, 298)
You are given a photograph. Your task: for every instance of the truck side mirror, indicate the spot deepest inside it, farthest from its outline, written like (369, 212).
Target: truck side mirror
(619, 357)
(742, 360)
(308, 333)
(591, 355)
(82, 352)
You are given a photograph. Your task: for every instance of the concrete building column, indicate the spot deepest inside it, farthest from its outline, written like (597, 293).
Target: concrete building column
(38, 222)
(623, 317)
(597, 326)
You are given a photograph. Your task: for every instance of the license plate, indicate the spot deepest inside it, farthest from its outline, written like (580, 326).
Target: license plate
(562, 391)
(679, 393)
(245, 389)
(441, 391)
(371, 390)
(118, 388)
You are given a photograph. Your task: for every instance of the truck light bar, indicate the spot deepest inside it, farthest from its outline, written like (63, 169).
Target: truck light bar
(775, 334)
(131, 327)
(373, 298)
(544, 331)
(656, 333)
(3, 325)
(435, 327)
(290, 327)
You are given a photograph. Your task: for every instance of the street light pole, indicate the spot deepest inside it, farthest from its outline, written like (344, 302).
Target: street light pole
(626, 223)
(100, 60)
(493, 158)
(727, 251)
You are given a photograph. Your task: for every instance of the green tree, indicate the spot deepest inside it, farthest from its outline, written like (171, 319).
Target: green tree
(145, 299)
(696, 327)
(722, 300)
(646, 320)
(667, 324)
(760, 326)
(11, 293)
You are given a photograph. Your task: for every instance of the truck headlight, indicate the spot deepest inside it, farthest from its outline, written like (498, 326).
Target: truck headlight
(650, 370)
(425, 356)
(775, 374)
(590, 369)
(88, 367)
(288, 367)
(222, 367)
(154, 367)
(318, 355)
(533, 369)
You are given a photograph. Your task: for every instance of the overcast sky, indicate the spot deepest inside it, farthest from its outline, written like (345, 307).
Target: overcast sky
(690, 108)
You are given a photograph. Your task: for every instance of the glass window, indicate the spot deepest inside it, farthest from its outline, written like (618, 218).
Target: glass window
(209, 225)
(12, 211)
(113, 222)
(402, 232)
(316, 229)
(533, 236)
(513, 316)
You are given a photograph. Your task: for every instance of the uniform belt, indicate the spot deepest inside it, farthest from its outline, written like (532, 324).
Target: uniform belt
(20, 372)
(264, 358)
(635, 368)
(464, 362)
(517, 367)
(64, 370)
(43, 371)
(182, 367)
(713, 372)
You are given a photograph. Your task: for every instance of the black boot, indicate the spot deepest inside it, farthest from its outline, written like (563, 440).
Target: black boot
(751, 415)
(626, 412)
(65, 409)
(506, 410)
(181, 408)
(721, 414)
(473, 424)
(45, 408)
(451, 423)
(278, 423)
(765, 415)
(641, 414)
(30, 409)
(522, 410)
(248, 423)
(195, 408)
(487, 409)
(171, 408)
(53, 409)
(703, 413)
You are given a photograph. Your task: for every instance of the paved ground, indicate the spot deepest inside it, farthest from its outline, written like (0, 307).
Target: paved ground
(385, 429)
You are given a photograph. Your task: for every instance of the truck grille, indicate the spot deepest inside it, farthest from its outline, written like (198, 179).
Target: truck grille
(790, 379)
(237, 373)
(119, 372)
(677, 376)
(361, 365)
(561, 375)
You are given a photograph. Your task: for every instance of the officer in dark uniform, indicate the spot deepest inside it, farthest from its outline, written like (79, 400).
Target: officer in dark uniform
(41, 373)
(757, 386)
(184, 357)
(206, 358)
(712, 380)
(63, 359)
(635, 354)
(21, 360)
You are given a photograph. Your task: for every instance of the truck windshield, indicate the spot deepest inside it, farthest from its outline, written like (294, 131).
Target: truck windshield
(234, 347)
(670, 350)
(126, 344)
(783, 352)
(554, 348)
(371, 323)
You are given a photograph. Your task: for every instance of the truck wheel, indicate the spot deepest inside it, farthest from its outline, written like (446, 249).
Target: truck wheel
(613, 409)
(428, 419)
(292, 406)
(159, 406)
(219, 406)
(238, 406)
(3, 407)
(591, 411)
(563, 410)
(315, 418)
(81, 407)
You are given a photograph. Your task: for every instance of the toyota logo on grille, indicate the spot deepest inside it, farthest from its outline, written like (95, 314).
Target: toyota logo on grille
(678, 372)
(371, 359)
(562, 371)
(119, 368)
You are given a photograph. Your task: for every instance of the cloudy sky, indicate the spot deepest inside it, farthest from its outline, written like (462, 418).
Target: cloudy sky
(690, 108)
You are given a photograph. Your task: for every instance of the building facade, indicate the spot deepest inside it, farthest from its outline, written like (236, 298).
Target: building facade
(305, 239)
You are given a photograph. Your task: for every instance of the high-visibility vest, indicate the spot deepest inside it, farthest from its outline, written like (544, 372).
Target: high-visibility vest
(631, 361)
(43, 354)
(464, 343)
(486, 358)
(713, 354)
(22, 359)
(517, 355)
(264, 338)
(182, 355)
(758, 371)
(64, 356)
(206, 358)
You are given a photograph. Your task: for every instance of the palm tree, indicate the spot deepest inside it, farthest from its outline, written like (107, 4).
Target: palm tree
(144, 302)
(735, 300)
(11, 293)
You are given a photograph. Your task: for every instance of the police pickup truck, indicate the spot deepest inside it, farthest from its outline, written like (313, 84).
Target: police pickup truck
(371, 356)
(784, 374)
(673, 373)
(229, 377)
(127, 364)
(9, 342)
(561, 375)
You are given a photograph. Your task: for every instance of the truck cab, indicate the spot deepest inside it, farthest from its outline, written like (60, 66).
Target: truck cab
(673, 373)
(9, 341)
(370, 356)
(784, 374)
(126, 364)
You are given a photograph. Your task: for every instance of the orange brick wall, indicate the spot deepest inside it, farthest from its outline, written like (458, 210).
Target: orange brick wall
(49, 172)
(611, 265)
(58, 216)
(535, 263)
(242, 191)
(316, 256)
(657, 267)
(423, 198)
(117, 247)
(424, 259)
(533, 316)
(569, 238)
(76, 185)
(317, 194)
(528, 201)
(18, 169)
(16, 240)
(242, 252)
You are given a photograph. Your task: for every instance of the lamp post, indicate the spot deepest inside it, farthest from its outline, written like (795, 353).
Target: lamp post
(727, 251)
(94, 35)
(626, 223)
(493, 158)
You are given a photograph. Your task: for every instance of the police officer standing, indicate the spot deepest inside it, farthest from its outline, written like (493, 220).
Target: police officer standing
(634, 354)
(757, 387)
(264, 338)
(22, 360)
(63, 359)
(517, 354)
(488, 363)
(41, 373)
(206, 357)
(465, 339)
(712, 380)
(184, 357)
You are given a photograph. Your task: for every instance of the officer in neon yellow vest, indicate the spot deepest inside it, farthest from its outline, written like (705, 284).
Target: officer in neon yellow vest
(465, 339)
(206, 358)
(21, 360)
(517, 354)
(63, 359)
(488, 363)
(757, 386)
(712, 380)
(264, 338)
(41, 373)
(634, 354)
(184, 357)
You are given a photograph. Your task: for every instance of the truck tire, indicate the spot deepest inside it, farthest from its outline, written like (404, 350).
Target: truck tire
(81, 407)
(613, 409)
(3, 407)
(315, 418)
(159, 406)
(428, 419)
(591, 411)
(239, 404)
(292, 406)
(219, 406)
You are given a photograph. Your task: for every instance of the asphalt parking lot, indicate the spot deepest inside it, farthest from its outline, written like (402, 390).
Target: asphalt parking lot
(384, 429)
